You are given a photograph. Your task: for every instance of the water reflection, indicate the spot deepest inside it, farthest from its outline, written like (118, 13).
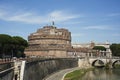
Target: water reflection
(102, 74)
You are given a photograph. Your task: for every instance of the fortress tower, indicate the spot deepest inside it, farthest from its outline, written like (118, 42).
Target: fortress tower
(49, 41)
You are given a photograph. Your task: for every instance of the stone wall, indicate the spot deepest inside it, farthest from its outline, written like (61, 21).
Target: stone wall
(41, 69)
(8, 74)
(50, 53)
(5, 66)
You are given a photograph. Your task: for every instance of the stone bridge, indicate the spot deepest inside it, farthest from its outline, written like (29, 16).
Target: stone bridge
(104, 60)
(98, 61)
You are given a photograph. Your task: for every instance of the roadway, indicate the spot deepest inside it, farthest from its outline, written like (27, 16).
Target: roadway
(60, 74)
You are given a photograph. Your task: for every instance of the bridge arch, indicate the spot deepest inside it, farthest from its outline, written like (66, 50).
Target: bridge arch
(115, 62)
(100, 63)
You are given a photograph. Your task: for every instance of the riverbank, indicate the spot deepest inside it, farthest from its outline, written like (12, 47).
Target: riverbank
(77, 74)
(60, 74)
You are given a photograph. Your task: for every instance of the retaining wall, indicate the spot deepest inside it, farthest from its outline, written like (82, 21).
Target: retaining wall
(40, 69)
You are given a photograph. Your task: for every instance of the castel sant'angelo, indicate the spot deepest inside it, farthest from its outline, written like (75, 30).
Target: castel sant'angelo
(49, 41)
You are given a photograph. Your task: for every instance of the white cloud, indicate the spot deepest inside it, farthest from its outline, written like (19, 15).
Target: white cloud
(28, 17)
(77, 34)
(17, 32)
(114, 14)
(73, 22)
(116, 34)
(61, 16)
(101, 27)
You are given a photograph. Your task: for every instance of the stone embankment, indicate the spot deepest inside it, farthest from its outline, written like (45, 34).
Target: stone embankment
(82, 64)
(6, 71)
(40, 69)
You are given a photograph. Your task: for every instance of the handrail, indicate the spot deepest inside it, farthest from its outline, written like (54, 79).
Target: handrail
(6, 70)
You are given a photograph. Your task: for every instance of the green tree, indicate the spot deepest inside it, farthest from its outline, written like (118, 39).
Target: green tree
(115, 48)
(19, 46)
(99, 48)
(5, 41)
(12, 46)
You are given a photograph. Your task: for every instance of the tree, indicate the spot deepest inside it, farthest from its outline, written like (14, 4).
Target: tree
(115, 48)
(99, 48)
(12, 46)
(5, 41)
(19, 46)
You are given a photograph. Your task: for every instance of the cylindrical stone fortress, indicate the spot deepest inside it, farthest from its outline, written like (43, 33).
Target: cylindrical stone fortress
(49, 41)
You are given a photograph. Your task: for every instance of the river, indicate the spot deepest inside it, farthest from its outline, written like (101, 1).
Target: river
(102, 74)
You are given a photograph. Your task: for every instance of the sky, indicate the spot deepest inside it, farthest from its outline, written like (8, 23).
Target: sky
(87, 20)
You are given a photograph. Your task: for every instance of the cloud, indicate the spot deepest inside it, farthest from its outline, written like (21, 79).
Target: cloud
(72, 22)
(61, 16)
(15, 32)
(101, 27)
(116, 34)
(114, 14)
(77, 34)
(32, 18)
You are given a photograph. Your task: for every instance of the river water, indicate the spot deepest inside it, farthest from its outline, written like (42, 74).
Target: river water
(102, 74)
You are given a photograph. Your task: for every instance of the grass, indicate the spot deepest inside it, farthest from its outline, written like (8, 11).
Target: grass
(77, 74)
(117, 66)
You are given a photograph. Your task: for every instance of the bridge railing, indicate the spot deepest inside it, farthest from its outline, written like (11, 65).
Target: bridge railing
(104, 57)
(98, 57)
(6, 60)
(115, 57)
(7, 74)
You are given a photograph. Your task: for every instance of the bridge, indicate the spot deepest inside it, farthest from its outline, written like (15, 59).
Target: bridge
(99, 58)
(99, 61)
(103, 61)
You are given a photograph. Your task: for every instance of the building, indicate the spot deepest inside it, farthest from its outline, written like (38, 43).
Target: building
(87, 48)
(49, 41)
